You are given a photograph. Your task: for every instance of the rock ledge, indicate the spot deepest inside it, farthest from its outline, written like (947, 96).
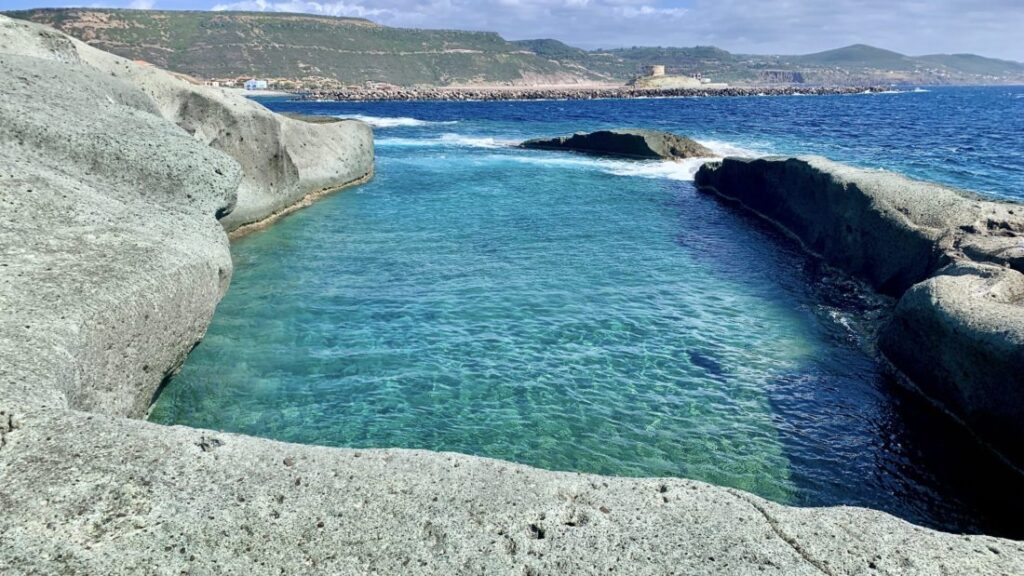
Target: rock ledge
(954, 260)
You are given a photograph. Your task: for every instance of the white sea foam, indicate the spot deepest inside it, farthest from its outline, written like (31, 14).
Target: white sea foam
(655, 169)
(722, 149)
(683, 170)
(676, 170)
(450, 139)
(895, 91)
(476, 141)
(392, 121)
(664, 170)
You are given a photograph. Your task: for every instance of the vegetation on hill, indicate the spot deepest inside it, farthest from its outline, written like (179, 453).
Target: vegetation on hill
(974, 64)
(858, 56)
(322, 51)
(347, 50)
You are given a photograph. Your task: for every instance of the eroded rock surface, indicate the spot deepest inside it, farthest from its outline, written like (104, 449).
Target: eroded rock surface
(641, 144)
(114, 177)
(111, 262)
(954, 260)
(282, 159)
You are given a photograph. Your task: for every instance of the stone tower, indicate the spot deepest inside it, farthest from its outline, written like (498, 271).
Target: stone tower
(655, 70)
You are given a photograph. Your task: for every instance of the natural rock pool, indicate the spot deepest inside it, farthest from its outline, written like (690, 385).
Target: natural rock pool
(603, 316)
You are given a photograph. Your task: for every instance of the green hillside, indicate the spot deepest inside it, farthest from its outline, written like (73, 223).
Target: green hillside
(275, 45)
(974, 64)
(858, 56)
(691, 61)
(318, 51)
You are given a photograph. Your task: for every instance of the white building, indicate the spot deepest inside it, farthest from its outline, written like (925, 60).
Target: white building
(255, 84)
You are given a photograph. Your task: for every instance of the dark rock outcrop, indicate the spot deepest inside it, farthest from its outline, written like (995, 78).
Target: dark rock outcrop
(642, 144)
(954, 261)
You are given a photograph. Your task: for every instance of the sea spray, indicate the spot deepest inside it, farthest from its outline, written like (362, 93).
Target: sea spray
(393, 122)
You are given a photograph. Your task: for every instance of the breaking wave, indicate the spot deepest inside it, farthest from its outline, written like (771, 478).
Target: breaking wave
(658, 169)
(392, 121)
(453, 140)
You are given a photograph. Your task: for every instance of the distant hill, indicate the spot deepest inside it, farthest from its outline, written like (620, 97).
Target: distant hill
(319, 51)
(276, 45)
(858, 56)
(974, 64)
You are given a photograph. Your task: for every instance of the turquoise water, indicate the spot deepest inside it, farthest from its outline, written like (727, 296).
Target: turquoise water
(580, 314)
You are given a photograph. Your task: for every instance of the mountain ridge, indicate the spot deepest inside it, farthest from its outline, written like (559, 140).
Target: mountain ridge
(308, 51)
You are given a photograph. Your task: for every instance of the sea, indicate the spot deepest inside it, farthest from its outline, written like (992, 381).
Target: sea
(603, 316)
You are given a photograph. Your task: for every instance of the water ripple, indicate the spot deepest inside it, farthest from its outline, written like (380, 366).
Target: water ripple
(561, 311)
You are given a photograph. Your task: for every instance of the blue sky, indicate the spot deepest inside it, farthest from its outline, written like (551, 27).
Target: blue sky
(992, 28)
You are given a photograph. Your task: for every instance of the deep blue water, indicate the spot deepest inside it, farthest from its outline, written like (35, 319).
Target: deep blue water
(603, 316)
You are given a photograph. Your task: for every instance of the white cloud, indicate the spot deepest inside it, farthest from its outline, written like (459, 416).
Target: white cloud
(142, 4)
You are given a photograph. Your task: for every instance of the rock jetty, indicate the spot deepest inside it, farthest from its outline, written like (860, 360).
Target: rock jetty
(396, 93)
(113, 254)
(954, 260)
(641, 144)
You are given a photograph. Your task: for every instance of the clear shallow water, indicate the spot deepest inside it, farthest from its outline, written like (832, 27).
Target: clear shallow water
(601, 316)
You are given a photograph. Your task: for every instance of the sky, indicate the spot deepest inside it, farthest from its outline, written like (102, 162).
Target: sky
(992, 28)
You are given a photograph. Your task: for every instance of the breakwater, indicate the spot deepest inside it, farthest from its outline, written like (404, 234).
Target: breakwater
(399, 94)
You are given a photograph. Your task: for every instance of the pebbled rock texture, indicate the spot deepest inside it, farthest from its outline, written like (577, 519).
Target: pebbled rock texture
(641, 144)
(954, 260)
(86, 494)
(111, 262)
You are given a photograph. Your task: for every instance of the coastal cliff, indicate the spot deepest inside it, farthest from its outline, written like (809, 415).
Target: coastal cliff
(113, 255)
(955, 261)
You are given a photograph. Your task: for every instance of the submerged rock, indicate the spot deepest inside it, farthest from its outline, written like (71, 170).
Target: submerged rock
(643, 144)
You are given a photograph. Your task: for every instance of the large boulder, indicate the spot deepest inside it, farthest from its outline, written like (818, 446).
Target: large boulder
(954, 260)
(959, 336)
(642, 144)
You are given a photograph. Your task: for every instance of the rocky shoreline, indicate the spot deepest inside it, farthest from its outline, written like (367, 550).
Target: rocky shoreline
(954, 261)
(400, 94)
(113, 256)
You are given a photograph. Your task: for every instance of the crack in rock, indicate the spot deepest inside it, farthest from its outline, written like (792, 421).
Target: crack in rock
(789, 540)
(207, 444)
(8, 424)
